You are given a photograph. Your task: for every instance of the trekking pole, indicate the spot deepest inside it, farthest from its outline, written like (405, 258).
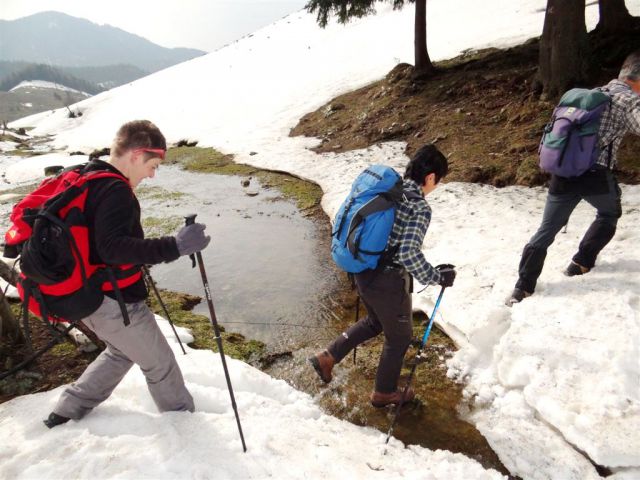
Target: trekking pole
(190, 219)
(150, 281)
(415, 364)
(355, 349)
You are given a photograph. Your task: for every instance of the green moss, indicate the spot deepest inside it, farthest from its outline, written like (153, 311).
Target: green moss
(24, 153)
(306, 194)
(528, 172)
(206, 160)
(179, 306)
(158, 193)
(159, 227)
(63, 349)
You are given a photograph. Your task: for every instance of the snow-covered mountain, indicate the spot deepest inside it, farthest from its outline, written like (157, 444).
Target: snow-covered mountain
(556, 379)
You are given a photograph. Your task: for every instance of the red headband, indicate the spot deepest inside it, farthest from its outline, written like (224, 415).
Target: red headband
(158, 151)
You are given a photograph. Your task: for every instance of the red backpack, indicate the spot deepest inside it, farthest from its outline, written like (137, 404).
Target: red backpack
(50, 233)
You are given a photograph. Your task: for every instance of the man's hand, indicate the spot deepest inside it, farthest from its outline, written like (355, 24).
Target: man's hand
(447, 274)
(191, 239)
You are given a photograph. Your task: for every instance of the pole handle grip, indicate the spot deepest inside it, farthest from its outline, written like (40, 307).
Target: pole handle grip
(190, 220)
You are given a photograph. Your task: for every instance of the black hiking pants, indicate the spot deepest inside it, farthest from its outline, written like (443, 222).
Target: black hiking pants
(557, 210)
(386, 294)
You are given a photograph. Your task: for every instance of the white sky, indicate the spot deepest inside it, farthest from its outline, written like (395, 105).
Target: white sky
(202, 24)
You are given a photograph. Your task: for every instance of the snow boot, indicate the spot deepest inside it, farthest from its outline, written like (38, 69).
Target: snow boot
(54, 420)
(575, 269)
(380, 400)
(323, 363)
(516, 297)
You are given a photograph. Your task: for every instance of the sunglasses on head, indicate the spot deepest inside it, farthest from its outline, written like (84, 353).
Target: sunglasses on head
(156, 151)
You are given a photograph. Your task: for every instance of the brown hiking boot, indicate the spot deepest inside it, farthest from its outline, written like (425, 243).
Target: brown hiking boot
(575, 269)
(323, 363)
(379, 399)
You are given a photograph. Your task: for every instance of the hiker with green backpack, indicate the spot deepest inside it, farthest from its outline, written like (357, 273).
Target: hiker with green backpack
(579, 148)
(82, 250)
(378, 236)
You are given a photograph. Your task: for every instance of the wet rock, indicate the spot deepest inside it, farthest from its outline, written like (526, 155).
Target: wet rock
(52, 170)
(100, 153)
(333, 108)
(245, 182)
(186, 143)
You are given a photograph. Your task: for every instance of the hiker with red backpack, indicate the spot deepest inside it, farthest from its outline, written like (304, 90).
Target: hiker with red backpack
(82, 260)
(579, 148)
(384, 260)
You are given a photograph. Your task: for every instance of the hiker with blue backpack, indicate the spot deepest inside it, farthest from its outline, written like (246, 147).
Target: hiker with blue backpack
(579, 148)
(82, 253)
(378, 236)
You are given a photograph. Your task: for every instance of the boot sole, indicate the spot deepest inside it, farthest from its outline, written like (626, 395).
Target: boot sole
(316, 366)
(382, 405)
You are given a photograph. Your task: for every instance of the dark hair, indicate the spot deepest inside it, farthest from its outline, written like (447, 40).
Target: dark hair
(425, 161)
(631, 67)
(138, 134)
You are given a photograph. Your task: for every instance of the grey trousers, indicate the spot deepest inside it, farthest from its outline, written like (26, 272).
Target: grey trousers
(557, 211)
(141, 343)
(387, 297)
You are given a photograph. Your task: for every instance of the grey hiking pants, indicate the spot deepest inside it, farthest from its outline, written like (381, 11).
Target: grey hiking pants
(557, 211)
(142, 343)
(386, 295)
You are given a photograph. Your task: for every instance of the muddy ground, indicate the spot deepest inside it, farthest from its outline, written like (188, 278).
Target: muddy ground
(482, 109)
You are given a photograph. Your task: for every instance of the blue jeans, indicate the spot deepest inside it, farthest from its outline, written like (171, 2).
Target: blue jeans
(557, 211)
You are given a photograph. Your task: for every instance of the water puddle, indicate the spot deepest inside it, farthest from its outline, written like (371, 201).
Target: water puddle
(264, 264)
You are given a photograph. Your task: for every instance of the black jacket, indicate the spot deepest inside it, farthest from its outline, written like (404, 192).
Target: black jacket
(115, 232)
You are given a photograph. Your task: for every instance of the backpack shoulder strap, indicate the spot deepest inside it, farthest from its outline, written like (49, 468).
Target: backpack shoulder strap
(408, 195)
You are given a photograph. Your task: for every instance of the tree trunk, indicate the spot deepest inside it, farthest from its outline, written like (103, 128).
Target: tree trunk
(614, 16)
(9, 324)
(423, 63)
(564, 48)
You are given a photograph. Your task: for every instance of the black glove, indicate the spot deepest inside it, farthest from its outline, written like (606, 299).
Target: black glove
(191, 239)
(447, 274)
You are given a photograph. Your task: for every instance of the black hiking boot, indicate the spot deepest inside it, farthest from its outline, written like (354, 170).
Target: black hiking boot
(575, 269)
(54, 420)
(516, 297)
(323, 363)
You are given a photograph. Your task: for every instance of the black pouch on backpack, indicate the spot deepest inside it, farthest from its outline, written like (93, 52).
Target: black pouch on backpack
(46, 258)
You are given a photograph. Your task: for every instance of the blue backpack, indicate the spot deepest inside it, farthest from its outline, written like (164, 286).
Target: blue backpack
(569, 145)
(365, 219)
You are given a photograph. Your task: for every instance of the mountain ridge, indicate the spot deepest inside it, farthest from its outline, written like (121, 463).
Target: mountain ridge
(63, 40)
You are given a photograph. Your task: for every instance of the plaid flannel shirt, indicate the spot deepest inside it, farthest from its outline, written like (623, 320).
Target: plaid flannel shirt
(410, 227)
(622, 116)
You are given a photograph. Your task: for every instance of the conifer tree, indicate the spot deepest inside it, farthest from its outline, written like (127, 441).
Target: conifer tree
(614, 16)
(564, 47)
(345, 10)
